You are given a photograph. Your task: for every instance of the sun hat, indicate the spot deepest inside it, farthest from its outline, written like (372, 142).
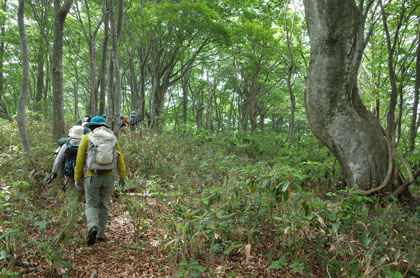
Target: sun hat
(97, 121)
(86, 119)
(76, 132)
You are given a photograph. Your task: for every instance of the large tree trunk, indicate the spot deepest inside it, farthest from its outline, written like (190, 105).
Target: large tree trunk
(23, 133)
(334, 110)
(60, 13)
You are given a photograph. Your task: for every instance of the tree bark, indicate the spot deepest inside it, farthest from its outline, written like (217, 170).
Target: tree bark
(391, 47)
(3, 108)
(290, 68)
(185, 81)
(23, 133)
(413, 125)
(210, 93)
(60, 13)
(39, 81)
(90, 37)
(334, 110)
(102, 73)
(116, 96)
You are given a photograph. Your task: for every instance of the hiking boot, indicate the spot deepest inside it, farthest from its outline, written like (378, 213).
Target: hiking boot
(101, 239)
(91, 238)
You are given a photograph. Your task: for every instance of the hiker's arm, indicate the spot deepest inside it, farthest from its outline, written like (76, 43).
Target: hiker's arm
(81, 157)
(59, 159)
(120, 162)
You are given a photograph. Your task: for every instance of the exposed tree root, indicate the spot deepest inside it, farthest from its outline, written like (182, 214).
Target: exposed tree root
(388, 174)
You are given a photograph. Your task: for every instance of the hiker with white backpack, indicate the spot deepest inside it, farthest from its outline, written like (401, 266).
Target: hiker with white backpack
(66, 160)
(99, 154)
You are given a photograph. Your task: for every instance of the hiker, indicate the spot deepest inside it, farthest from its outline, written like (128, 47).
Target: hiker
(65, 160)
(99, 152)
(64, 140)
(85, 120)
(123, 121)
(133, 120)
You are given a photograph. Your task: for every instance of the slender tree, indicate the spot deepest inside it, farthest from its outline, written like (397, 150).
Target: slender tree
(414, 120)
(23, 133)
(3, 108)
(90, 37)
(114, 104)
(60, 13)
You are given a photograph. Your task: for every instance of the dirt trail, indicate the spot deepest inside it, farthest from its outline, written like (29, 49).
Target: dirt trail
(117, 256)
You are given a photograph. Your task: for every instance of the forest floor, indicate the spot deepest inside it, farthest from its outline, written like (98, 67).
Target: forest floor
(117, 256)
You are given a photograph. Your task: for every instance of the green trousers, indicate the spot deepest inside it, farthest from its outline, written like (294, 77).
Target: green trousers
(98, 191)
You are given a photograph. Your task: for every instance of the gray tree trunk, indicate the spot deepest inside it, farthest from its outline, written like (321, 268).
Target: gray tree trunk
(90, 37)
(334, 110)
(39, 81)
(413, 125)
(60, 13)
(76, 100)
(116, 96)
(23, 133)
(3, 108)
(290, 68)
(102, 73)
(185, 98)
(210, 93)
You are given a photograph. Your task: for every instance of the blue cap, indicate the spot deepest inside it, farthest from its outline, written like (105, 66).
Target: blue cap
(97, 121)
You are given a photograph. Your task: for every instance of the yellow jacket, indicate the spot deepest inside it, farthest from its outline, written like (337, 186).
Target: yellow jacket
(81, 158)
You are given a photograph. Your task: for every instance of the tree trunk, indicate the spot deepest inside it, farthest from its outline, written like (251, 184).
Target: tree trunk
(76, 100)
(90, 37)
(134, 99)
(290, 68)
(103, 61)
(185, 98)
(391, 47)
(23, 133)
(116, 96)
(39, 81)
(400, 112)
(3, 108)
(253, 116)
(243, 115)
(60, 13)
(92, 107)
(262, 123)
(413, 125)
(334, 110)
(209, 102)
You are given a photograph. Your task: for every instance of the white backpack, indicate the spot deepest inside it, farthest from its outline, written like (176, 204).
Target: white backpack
(101, 153)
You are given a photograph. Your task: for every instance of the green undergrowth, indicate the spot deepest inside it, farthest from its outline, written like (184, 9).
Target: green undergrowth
(211, 200)
(225, 194)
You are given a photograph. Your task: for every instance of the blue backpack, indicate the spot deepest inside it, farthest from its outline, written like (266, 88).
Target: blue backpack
(69, 162)
(133, 119)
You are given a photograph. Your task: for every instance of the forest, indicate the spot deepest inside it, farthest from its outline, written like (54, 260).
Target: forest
(275, 138)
